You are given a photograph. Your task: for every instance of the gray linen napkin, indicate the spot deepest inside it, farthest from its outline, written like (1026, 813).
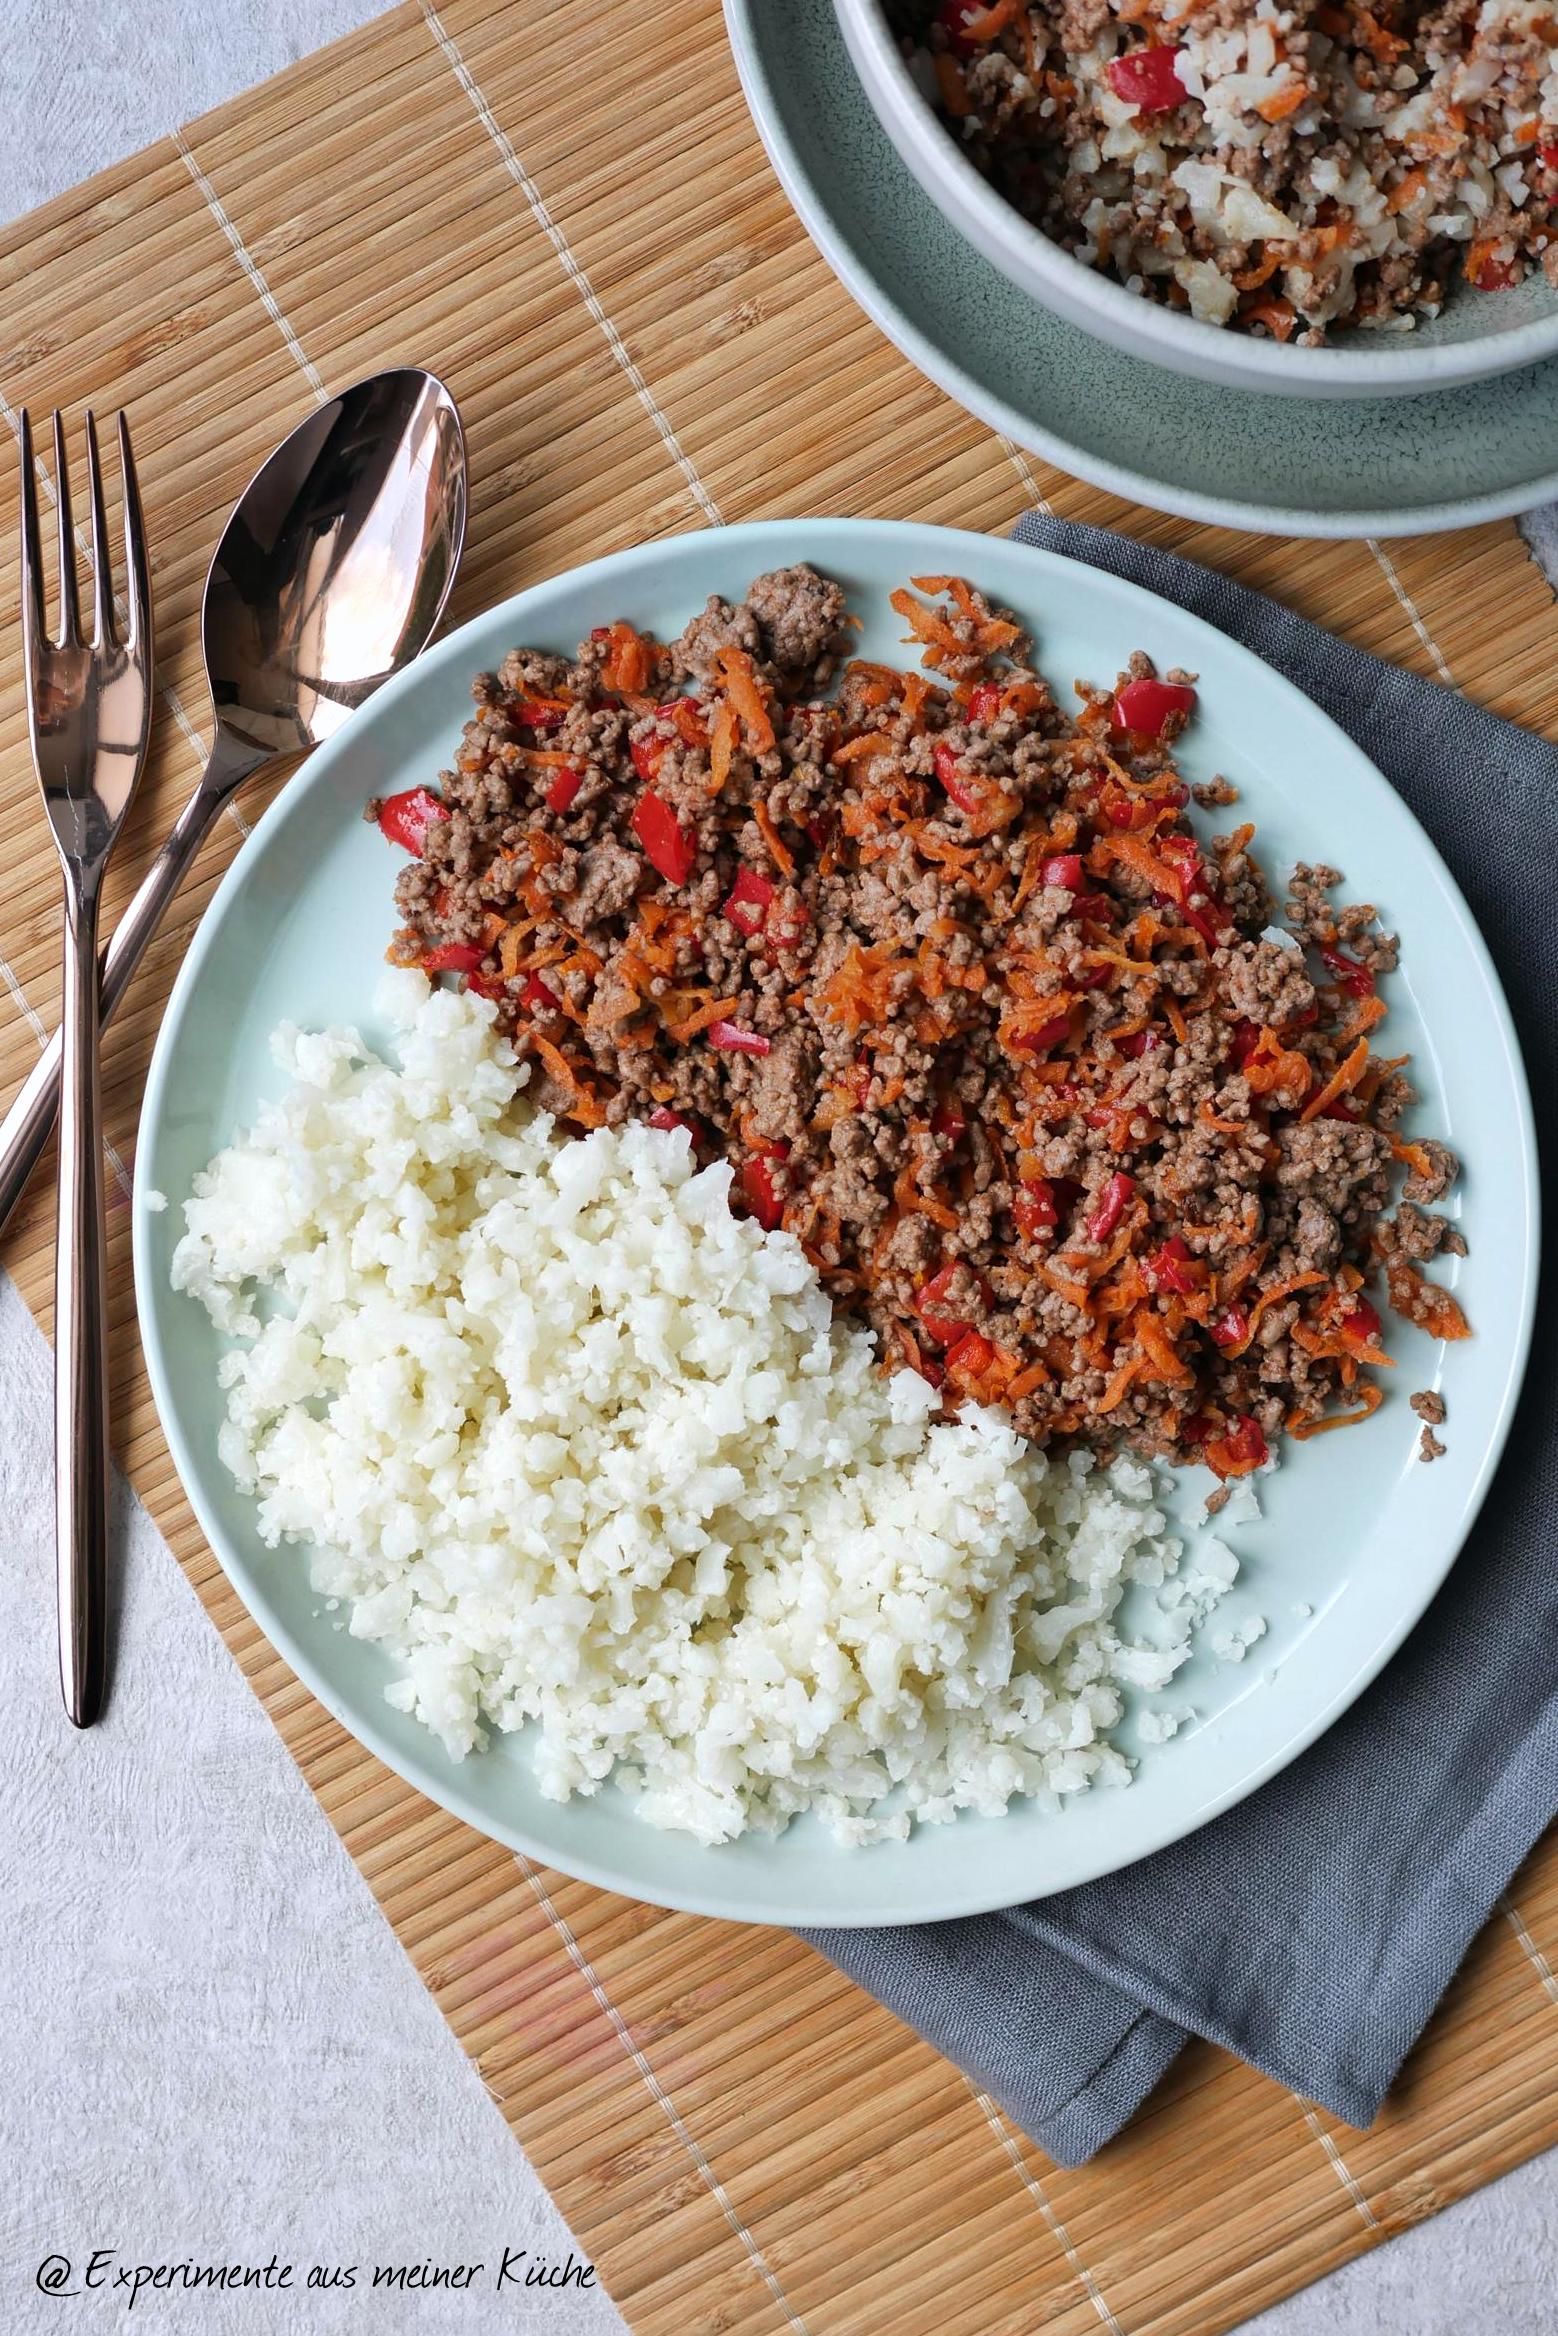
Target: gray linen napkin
(1313, 1928)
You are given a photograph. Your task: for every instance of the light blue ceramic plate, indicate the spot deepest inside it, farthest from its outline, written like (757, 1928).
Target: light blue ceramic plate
(1287, 465)
(1357, 1536)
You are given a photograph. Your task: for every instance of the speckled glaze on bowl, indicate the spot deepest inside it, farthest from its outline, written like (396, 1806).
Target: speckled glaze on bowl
(1287, 466)
(1476, 336)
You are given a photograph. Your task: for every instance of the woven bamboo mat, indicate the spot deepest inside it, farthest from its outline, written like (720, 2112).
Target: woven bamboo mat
(642, 340)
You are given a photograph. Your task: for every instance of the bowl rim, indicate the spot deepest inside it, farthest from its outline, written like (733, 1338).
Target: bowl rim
(1185, 344)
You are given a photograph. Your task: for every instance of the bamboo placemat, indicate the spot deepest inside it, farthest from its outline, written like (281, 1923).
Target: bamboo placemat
(602, 266)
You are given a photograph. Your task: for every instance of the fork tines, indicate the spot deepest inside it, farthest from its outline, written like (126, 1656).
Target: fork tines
(105, 618)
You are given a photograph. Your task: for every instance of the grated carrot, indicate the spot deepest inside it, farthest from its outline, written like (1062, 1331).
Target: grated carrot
(1340, 1083)
(780, 853)
(739, 678)
(1369, 1400)
(722, 746)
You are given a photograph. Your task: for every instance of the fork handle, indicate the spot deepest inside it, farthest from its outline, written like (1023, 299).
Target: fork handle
(81, 1337)
(28, 1124)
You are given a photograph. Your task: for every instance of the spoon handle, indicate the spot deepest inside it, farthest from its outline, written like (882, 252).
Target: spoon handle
(28, 1124)
(81, 1337)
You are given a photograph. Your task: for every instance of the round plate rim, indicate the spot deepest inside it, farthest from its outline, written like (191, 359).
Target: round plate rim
(944, 369)
(946, 548)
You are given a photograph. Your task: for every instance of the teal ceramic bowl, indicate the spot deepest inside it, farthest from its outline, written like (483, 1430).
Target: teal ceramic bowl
(1476, 333)
(1357, 1535)
(1207, 450)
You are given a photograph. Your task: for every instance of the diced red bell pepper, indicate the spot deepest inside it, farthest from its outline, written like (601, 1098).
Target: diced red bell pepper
(453, 957)
(1035, 1208)
(1211, 919)
(1231, 1328)
(1139, 1042)
(1363, 1322)
(948, 1121)
(730, 1038)
(406, 818)
(969, 1357)
(1356, 979)
(1492, 275)
(961, 786)
(667, 845)
(535, 714)
(537, 997)
(1094, 977)
(1064, 871)
(647, 754)
(1110, 1206)
(1171, 1268)
(984, 703)
(929, 1301)
(1341, 1109)
(954, 18)
(564, 787)
(670, 1120)
(1149, 80)
(1240, 1448)
(686, 718)
(755, 1180)
(488, 985)
(1044, 1034)
(1246, 1038)
(1146, 704)
(748, 904)
(1547, 156)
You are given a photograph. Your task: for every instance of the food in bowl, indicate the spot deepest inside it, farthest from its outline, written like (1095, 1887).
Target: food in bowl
(589, 1453)
(1280, 170)
(949, 978)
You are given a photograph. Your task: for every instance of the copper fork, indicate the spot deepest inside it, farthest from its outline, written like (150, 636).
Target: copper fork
(89, 716)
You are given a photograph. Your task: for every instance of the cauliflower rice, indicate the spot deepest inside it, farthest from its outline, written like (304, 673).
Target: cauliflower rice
(583, 1450)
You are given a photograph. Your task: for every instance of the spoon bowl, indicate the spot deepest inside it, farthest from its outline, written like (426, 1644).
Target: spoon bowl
(332, 573)
(334, 569)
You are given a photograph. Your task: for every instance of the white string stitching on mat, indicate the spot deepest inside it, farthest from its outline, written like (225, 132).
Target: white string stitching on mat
(571, 265)
(1339, 2166)
(24, 1005)
(273, 309)
(658, 2093)
(1024, 469)
(35, 1023)
(1393, 579)
(250, 267)
(1035, 2188)
(1543, 1969)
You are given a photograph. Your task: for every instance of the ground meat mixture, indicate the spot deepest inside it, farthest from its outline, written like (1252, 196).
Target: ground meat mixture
(1428, 1403)
(1429, 1446)
(1283, 168)
(949, 978)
